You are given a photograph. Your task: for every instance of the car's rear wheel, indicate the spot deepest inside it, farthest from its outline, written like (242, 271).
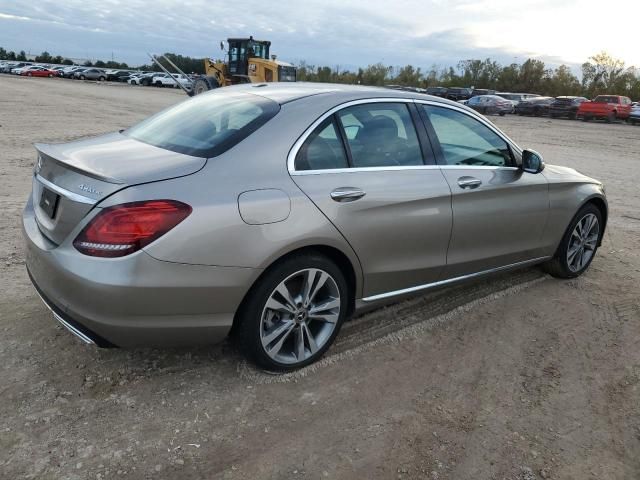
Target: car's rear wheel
(611, 117)
(101, 79)
(294, 312)
(579, 244)
(82, 77)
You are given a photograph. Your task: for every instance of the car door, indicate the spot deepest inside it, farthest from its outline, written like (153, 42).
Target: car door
(499, 211)
(372, 173)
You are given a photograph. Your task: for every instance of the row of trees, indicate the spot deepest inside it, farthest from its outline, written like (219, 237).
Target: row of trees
(601, 73)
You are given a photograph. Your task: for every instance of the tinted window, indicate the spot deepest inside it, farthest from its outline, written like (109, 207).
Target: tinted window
(206, 125)
(466, 141)
(323, 149)
(605, 99)
(381, 135)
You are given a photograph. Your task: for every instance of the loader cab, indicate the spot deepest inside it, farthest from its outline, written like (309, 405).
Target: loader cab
(241, 49)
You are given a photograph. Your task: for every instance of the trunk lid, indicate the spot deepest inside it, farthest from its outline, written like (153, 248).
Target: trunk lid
(71, 178)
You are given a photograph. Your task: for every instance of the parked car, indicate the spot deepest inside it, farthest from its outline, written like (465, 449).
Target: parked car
(490, 104)
(59, 70)
(357, 219)
(38, 72)
(458, 93)
(149, 79)
(7, 67)
(139, 79)
(482, 91)
(90, 74)
(536, 106)
(634, 115)
(117, 75)
(437, 91)
(172, 80)
(565, 106)
(605, 107)
(16, 69)
(69, 72)
(516, 98)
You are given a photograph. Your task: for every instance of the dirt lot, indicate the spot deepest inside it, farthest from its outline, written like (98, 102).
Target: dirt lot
(520, 377)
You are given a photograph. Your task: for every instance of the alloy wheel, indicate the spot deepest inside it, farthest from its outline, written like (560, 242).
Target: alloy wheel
(583, 242)
(300, 316)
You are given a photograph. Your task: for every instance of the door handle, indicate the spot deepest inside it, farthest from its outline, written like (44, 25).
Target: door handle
(347, 194)
(469, 182)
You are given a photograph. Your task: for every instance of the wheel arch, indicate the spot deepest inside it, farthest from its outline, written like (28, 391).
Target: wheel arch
(342, 261)
(601, 205)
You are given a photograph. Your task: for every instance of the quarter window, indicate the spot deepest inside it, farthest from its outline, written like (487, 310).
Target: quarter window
(380, 135)
(323, 149)
(466, 141)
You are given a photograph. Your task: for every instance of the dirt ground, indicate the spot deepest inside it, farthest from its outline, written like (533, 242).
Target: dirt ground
(516, 377)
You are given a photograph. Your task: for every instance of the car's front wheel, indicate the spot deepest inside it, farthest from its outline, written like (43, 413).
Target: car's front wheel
(293, 313)
(579, 244)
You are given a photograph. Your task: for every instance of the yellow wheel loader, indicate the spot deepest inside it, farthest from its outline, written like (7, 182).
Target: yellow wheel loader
(248, 62)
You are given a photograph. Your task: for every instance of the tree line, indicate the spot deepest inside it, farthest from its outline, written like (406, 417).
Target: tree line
(602, 73)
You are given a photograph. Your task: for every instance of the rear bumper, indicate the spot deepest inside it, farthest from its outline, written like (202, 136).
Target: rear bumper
(134, 300)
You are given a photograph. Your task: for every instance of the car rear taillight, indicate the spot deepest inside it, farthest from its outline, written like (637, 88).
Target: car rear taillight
(123, 229)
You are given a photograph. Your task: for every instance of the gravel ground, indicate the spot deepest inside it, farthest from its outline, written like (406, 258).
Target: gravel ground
(517, 377)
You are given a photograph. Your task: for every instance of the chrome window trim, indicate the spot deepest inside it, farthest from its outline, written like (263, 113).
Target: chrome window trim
(404, 291)
(476, 116)
(291, 157)
(65, 193)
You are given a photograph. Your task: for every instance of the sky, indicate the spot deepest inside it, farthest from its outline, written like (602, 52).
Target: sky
(337, 33)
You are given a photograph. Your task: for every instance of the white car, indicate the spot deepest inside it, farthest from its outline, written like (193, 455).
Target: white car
(634, 116)
(166, 80)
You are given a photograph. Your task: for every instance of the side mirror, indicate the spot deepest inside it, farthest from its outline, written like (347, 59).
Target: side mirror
(532, 161)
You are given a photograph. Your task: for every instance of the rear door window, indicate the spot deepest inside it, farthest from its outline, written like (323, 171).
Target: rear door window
(380, 135)
(323, 149)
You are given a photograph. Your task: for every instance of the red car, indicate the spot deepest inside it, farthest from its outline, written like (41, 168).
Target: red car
(39, 72)
(606, 107)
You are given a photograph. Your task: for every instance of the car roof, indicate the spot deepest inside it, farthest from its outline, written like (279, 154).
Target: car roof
(285, 92)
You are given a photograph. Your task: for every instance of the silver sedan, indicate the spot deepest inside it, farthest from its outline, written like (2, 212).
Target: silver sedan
(275, 212)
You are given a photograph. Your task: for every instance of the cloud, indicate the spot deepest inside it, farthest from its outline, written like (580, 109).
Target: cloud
(330, 32)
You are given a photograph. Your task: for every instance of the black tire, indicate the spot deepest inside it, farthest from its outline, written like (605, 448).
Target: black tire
(633, 122)
(611, 117)
(29, 74)
(203, 84)
(249, 317)
(553, 115)
(501, 114)
(101, 79)
(50, 75)
(573, 116)
(558, 266)
(82, 77)
(537, 112)
(585, 118)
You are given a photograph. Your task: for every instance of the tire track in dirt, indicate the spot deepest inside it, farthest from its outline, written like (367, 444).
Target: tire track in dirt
(404, 320)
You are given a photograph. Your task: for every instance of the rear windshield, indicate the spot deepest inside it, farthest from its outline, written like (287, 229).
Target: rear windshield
(206, 125)
(605, 99)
